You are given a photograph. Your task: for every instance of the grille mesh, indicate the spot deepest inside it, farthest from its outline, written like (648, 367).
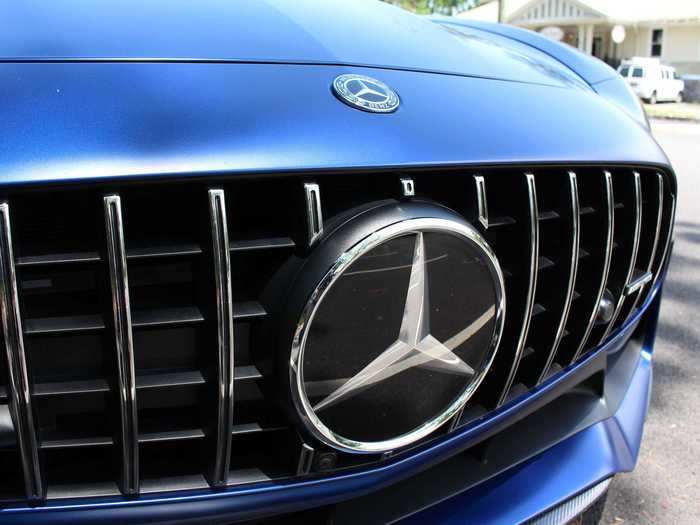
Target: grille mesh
(562, 236)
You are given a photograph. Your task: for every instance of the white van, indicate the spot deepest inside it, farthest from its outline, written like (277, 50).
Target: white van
(651, 80)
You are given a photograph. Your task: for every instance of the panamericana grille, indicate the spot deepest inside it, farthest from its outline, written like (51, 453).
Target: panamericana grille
(138, 328)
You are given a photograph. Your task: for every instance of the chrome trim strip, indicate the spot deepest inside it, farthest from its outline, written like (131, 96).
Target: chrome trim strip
(314, 214)
(306, 460)
(635, 251)
(408, 189)
(116, 253)
(454, 422)
(481, 202)
(637, 285)
(224, 316)
(19, 392)
(610, 201)
(573, 269)
(534, 255)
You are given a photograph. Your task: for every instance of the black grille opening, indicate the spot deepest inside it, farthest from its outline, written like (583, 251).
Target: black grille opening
(161, 472)
(11, 475)
(261, 456)
(63, 418)
(58, 358)
(97, 467)
(528, 216)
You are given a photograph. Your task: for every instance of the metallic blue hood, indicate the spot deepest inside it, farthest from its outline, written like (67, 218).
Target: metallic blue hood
(204, 89)
(85, 121)
(360, 33)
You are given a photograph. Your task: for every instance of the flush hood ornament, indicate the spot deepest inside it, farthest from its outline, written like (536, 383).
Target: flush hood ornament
(366, 93)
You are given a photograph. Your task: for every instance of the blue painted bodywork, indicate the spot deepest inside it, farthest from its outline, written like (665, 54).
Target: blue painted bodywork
(595, 454)
(139, 90)
(79, 122)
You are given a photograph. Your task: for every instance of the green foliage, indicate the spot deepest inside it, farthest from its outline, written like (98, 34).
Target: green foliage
(424, 7)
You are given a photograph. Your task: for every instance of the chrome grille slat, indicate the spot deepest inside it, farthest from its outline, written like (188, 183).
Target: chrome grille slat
(314, 214)
(530, 301)
(653, 196)
(224, 310)
(124, 344)
(482, 203)
(607, 257)
(667, 244)
(635, 249)
(18, 378)
(649, 276)
(573, 266)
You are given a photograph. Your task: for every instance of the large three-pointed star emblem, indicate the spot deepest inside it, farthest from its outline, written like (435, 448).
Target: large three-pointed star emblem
(414, 346)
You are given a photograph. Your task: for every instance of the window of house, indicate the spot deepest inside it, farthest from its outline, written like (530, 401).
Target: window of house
(637, 72)
(657, 36)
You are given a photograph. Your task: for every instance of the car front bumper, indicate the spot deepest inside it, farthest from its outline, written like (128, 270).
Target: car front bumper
(560, 473)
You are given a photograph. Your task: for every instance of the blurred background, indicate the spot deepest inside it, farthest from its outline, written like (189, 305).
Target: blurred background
(655, 46)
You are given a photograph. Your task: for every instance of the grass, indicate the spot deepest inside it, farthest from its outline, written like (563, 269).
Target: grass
(670, 110)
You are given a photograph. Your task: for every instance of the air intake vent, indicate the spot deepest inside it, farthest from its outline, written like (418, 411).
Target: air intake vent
(141, 323)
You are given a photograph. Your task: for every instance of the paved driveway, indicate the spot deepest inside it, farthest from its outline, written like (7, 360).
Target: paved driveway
(664, 488)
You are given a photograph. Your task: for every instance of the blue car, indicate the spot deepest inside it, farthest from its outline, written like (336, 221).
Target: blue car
(318, 262)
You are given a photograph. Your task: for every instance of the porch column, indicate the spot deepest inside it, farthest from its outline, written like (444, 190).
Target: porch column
(581, 38)
(589, 40)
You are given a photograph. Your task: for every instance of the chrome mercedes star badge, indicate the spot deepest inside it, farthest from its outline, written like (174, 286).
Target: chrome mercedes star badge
(415, 346)
(398, 334)
(366, 93)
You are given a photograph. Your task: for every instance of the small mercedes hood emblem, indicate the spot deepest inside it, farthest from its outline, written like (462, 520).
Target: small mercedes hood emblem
(366, 93)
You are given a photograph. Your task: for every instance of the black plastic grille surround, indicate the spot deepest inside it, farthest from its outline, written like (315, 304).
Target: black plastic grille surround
(567, 238)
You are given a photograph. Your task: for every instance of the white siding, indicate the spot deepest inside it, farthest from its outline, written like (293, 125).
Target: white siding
(681, 43)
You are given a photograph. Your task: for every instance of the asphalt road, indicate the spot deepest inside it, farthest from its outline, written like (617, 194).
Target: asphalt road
(664, 487)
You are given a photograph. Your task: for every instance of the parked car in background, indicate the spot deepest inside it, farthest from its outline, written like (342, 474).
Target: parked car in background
(651, 80)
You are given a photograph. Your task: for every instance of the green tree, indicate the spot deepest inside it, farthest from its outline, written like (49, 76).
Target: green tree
(444, 7)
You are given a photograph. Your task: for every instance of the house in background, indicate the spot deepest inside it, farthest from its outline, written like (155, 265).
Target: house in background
(665, 29)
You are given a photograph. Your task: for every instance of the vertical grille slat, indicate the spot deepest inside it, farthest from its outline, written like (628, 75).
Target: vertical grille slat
(632, 261)
(482, 203)
(557, 194)
(662, 256)
(124, 343)
(314, 213)
(534, 235)
(18, 378)
(657, 219)
(573, 268)
(225, 339)
(608, 221)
